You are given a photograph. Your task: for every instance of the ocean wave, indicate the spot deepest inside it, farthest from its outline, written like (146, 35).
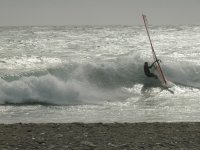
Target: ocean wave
(91, 83)
(50, 90)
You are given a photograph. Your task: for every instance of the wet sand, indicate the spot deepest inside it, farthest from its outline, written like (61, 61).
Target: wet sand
(100, 136)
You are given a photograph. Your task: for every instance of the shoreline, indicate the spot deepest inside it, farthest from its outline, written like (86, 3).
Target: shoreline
(158, 135)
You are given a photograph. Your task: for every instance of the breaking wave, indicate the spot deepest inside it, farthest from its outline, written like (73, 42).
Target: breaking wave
(89, 83)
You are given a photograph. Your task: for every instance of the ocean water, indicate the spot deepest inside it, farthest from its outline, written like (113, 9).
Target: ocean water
(95, 74)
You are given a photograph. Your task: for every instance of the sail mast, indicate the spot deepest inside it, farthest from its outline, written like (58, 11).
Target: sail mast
(144, 19)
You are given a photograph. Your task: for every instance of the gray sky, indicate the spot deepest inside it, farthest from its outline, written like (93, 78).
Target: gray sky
(98, 12)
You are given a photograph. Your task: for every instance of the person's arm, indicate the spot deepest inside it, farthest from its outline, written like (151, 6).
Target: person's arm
(151, 65)
(154, 63)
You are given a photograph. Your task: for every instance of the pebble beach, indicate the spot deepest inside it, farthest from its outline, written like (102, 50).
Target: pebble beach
(99, 136)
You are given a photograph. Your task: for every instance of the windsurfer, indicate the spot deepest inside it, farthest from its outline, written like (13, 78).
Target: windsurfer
(147, 69)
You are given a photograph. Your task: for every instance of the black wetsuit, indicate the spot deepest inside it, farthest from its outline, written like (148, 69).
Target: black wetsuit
(147, 71)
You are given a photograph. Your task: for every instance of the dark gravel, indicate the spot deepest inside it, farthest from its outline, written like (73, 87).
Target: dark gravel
(100, 136)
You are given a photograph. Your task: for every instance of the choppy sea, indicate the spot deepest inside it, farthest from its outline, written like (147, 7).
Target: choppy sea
(95, 74)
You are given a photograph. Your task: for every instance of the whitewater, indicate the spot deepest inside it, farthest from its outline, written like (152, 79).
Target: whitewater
(67, 74)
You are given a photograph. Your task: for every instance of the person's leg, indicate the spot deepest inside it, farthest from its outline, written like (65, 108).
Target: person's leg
(153, 75)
